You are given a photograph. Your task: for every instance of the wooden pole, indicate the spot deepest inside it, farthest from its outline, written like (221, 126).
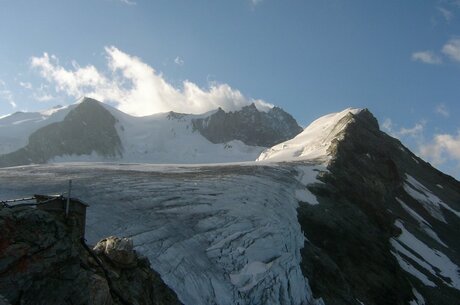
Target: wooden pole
(68, 199)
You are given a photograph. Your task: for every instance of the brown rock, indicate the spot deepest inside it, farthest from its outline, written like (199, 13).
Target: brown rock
(99, 293)
(118, 250)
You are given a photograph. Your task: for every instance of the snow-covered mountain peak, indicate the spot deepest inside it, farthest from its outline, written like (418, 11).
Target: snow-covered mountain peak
(314, 141)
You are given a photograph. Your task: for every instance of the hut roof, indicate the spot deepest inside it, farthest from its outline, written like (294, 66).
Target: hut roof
(46, 198)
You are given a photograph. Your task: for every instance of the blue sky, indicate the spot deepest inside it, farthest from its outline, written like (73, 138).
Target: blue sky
(400, 59)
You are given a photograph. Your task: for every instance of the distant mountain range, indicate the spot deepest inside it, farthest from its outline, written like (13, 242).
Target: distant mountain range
(93, 131)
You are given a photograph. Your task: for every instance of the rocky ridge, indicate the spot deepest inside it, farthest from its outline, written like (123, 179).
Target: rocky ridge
(249, 125)
(357, 250)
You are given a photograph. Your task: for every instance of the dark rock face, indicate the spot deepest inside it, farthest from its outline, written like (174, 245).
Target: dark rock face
(89, 128)
(249, 125)
(42, 261)
(348, 257)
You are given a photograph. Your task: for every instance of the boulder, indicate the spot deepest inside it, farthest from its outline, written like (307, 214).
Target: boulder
(119, 250)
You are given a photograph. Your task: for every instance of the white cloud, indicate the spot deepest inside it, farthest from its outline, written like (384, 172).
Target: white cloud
(256, 2)
(136, 88)
(442, 148)
(452, 49)
(442, 110)
(388, 125)
(414, 132)
(179, 61)
(7, 95)
(448, 15)
(26, 85)
(427, 57)
(45, 97)
(129, 2)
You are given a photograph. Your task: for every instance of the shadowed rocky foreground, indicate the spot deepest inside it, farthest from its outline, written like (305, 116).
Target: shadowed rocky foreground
(44, 261)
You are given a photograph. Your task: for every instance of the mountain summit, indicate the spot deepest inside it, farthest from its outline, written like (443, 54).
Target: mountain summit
(387, 222)
(314, 141)
(85, 130)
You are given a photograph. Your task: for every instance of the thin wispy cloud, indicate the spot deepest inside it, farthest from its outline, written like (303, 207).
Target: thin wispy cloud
(387, 125)
(446, 14)
(136, 88)
(427, 57)
(128, 2)
(442, 110)
(452, 49)
(6, 95)
(179, 61)
(255, 2)
(415, 131)
(26, 85)
(398, 132)
(43, 97)
(442, 148)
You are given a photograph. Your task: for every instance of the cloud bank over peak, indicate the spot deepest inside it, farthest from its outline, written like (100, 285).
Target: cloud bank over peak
(136, 88)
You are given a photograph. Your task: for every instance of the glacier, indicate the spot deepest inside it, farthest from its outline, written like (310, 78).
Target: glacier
(218, 234)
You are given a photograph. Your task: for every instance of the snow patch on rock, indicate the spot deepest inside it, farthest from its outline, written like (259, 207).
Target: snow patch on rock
(430, 260)
(430, 201)
(424, 225)
(307, 175)
(419, 300)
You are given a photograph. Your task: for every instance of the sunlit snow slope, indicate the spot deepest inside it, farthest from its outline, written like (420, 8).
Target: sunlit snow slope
(313, 142)
(170, 138)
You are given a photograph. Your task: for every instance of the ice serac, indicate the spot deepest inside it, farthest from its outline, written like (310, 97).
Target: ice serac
(387, 222)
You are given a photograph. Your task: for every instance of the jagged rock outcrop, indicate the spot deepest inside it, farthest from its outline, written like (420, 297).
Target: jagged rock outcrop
(43, 261)
(88, 128)
(249, 125)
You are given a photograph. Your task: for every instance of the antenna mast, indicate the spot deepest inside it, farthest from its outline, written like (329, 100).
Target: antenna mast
(68, 199)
